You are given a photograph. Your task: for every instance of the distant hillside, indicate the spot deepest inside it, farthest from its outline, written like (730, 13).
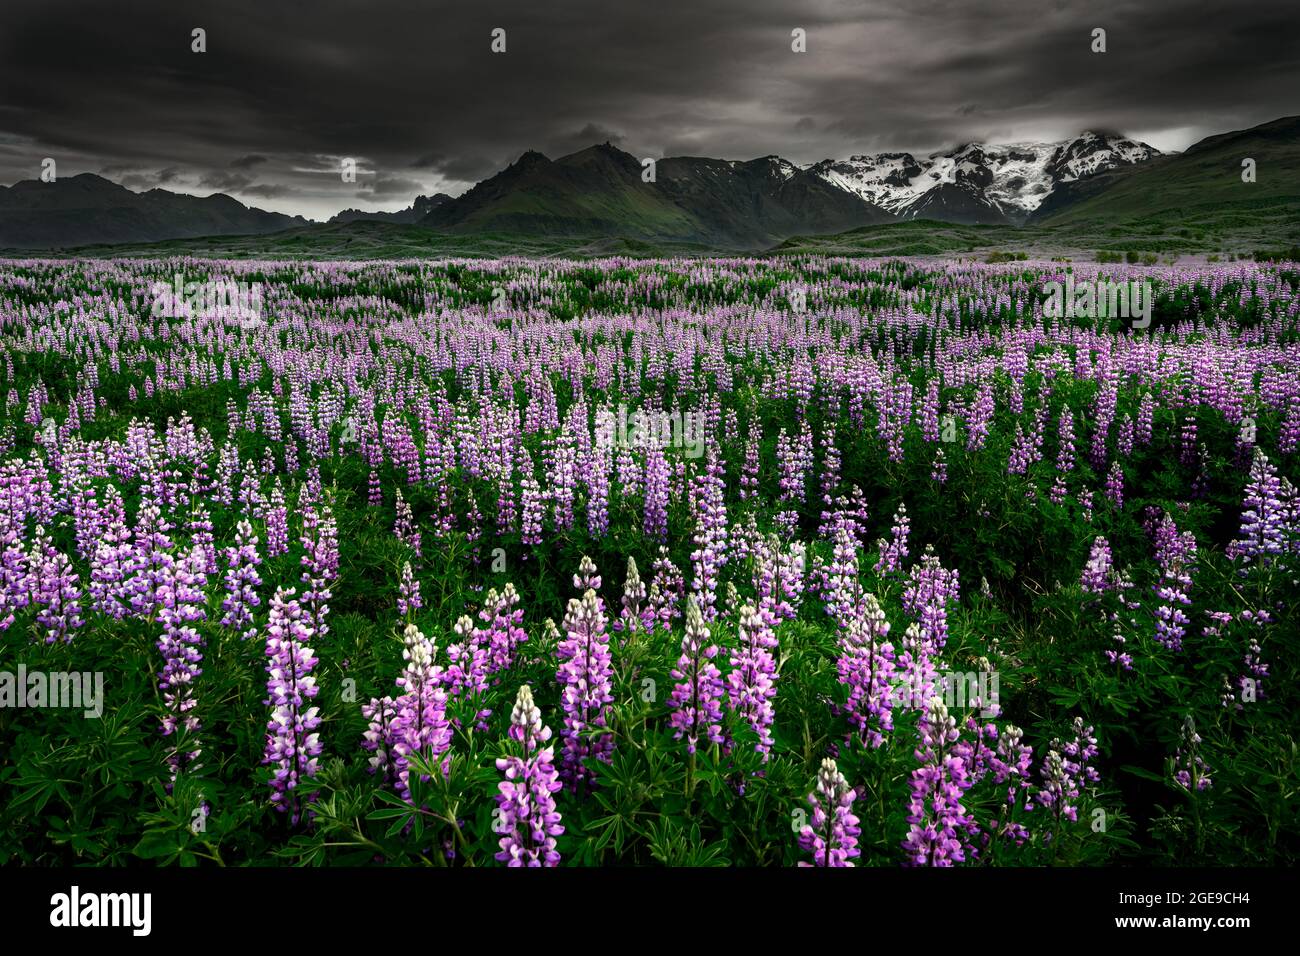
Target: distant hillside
(413, 213)
(84, 209)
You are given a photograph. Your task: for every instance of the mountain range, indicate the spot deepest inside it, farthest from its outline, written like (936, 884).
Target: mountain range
(87, 209)
(602, 193)
(413, 213)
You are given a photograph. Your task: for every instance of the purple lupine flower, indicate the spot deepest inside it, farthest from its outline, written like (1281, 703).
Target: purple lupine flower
(526, 816)
(596, 477)
(1115, 485)
(930, 411)
(564, 481)
(1290, 497)
(506, 502)
(1066, 771)
(532, 501)
(666, 590)
(936, 815)
(655, 516)
(250, 496)
(408, 592)
(752, 681)
(228, 462)
(915, 677)
(696, 700)
(929, 591)
(503, 633)
(419, 725)
(1022, 453)
(113, 559)
(1263, 515)
(1064, 455)
(404, 527)
(1127, 432)
(87, 519)
(54, 591)
(1176, 556)
(981, 414)
(1251, 683)
(778, 578)
(635, 614)
(831, 463)
(180, 603)
(749, 469)
(1011, 763)
(588, 577)
(474, 530)
(1190, 771)
(894, 551)
(277, 523)
(292, 744)
(1098, 573)
(832, 836)
(242, 581)
(1289, 435)
(866, 667)
(939, 472)
(841, 588)
(320, 562)
(710, 553)
(1146, 418)
(1187, 449)
(791, 567)
(200, 527)
(1118, 655)
(154, 558)
(586, 675)
(378, 738)
(466, 678)
(795, 459)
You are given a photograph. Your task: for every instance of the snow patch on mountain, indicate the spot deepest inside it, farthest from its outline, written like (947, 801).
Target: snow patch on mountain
(1012, 178)
(888, 180)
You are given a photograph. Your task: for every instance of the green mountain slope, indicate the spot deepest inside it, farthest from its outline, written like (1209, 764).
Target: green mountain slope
(595, 192)
(1199, 190)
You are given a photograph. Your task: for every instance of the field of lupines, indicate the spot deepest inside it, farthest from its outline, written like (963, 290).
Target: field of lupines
(681, 562)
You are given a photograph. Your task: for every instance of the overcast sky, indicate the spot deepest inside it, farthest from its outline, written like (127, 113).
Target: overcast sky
(413, 92)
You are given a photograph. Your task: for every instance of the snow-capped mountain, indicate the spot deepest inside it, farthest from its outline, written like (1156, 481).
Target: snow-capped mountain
(978, 182)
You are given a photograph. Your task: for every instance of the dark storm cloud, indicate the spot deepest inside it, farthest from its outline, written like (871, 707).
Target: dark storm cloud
(269, 191)
(412, 90)
(457, 168)
(571, 142)
(141, 180)
(225, 182)
(389, 187)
